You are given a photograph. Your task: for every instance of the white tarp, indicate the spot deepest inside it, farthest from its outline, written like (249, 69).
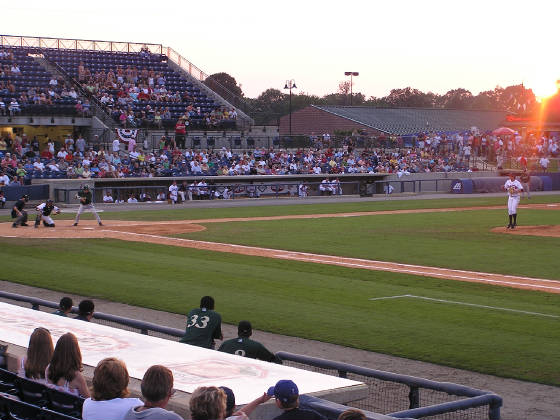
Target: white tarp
(191, 366)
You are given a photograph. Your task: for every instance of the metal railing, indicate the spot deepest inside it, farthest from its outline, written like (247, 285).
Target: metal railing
(404, 396)
(77, 44)
(142, 327)
(399, 396)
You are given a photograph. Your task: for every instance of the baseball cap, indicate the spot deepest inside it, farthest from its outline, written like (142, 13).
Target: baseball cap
(284, 390)
(244, 327)
(230, 401)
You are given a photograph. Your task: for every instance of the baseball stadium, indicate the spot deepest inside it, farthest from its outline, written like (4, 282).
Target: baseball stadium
(403, 263)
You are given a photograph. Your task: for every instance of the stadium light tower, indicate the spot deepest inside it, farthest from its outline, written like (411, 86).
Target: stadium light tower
(351, 74)
(290, 84)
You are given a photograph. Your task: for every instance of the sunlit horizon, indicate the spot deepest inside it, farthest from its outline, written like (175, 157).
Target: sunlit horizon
(433, 46)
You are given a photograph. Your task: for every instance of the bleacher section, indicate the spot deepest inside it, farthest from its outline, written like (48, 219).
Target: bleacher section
(409, 121)
(33, 82)
(145, 66)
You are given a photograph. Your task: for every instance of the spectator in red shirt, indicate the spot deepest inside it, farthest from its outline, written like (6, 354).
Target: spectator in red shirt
(180, 132)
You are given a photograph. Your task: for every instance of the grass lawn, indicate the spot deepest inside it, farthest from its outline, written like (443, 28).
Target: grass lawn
(460, 240)
(330, 303)
(181, 212)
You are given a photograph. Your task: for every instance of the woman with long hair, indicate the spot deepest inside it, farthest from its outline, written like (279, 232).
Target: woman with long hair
(39, 354)
(65, 369)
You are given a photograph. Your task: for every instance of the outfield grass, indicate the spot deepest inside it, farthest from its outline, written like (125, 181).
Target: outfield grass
(181, 212)
(330, 303)
(314, 301)
(460, 240)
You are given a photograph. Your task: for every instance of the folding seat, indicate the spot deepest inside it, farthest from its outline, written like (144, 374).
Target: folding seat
(7, 381)
(31, 391)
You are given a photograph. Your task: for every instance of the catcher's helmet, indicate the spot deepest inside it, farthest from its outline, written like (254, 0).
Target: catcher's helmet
(86, 187)
(25, 197)
(49, 202)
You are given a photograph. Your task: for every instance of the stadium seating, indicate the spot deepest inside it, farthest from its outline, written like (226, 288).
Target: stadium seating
(31, 77)
(36, 400)
(101, 61)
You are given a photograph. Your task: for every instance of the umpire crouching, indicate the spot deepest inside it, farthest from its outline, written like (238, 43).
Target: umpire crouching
(19, 213)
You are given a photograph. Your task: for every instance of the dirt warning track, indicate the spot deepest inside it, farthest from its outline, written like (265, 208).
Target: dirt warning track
(153, 232)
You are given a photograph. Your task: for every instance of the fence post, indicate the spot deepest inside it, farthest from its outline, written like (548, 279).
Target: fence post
(414, 397)
(494, 410)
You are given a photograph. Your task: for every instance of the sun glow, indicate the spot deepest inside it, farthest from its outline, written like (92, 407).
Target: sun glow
(543, 90)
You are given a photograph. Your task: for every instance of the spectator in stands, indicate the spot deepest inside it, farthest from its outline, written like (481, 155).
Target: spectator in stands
(65, 368)
(4, 179)
(352, 414)
(14, 107)
(64, 307)
(287, 398)
(207, 403)
(110, 389)
(85, 310)
(39, 354)
(157, 389)
(245, 412)
(244, 346)
(204, 325)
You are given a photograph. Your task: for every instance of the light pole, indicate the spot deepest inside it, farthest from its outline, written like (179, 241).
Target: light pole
(351, 74)
(290, 84)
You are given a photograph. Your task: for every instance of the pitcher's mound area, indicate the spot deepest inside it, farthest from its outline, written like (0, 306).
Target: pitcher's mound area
(90, 229)
(550, 230)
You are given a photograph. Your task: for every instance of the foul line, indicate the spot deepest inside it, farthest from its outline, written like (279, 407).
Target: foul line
(369, 264)
(496, 308)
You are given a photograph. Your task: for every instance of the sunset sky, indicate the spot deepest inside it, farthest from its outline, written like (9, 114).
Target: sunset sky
(431, 45)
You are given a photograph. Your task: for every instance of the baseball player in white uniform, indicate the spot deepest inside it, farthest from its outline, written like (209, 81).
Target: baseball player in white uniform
(514, 189)
(44, 212)
(173, 190)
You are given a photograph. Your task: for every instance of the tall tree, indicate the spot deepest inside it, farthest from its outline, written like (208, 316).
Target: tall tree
(457, 99)
(222, 83)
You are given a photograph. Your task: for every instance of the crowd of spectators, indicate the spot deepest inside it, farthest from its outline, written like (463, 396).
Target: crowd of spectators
(60, 367)
(17, 91)
(23, 159)
(127, 94)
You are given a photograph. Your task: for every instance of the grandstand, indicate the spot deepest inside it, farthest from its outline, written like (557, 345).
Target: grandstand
(41, 60)
(388, 121)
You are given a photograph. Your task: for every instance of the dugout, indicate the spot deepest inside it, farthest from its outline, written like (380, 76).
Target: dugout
(64, 190)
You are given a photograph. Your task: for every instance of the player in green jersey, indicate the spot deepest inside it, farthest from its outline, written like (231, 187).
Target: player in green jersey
(244, 346)
(204, 325)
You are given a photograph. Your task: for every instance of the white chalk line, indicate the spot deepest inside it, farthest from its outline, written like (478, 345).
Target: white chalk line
(497, 308)
(424, 272)
(327, 259)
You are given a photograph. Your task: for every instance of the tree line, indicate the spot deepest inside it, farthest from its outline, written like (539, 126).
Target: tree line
(270, 105)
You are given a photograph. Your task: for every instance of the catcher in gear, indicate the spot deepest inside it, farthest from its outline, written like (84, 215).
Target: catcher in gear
(44, 212)
(85, 197)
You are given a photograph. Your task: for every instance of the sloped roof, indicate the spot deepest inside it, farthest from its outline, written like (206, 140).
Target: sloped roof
(403, 121)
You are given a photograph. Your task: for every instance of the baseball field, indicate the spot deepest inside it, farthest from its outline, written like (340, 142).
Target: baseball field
(434, 280)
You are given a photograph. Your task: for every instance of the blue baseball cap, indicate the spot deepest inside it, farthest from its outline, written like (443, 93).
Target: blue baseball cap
(284, 390)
